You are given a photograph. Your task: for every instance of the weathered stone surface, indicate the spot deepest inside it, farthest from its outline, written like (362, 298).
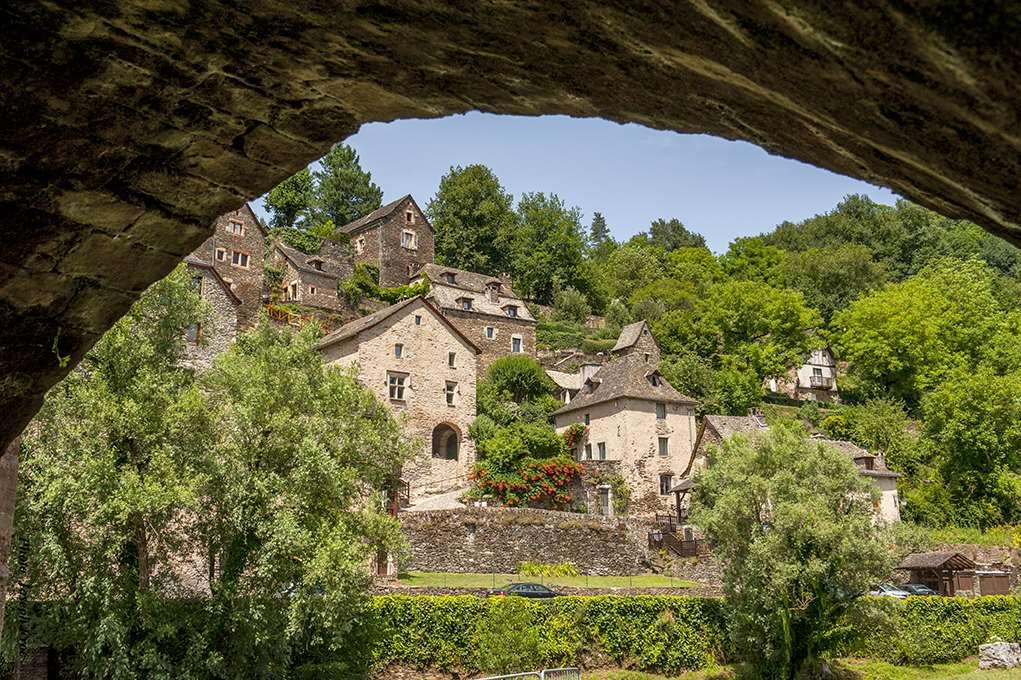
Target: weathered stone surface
(999, 655)
(183, 109)
(496, 540)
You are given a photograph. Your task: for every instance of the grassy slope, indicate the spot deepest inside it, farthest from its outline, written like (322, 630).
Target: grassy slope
(428, 579)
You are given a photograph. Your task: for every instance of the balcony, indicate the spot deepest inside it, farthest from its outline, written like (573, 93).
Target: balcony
(820, 382)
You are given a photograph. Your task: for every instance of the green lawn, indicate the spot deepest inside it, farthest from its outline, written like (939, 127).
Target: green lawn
(433, 579)
(845, 669)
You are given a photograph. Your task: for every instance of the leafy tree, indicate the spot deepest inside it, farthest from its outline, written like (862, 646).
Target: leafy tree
(881, 426)
(753, 259)
(474, 220)
(906, 339)
(668, 293)
(570, 305)
(548, 247)
(792, 522)
(831, 278)
(672, 234)
(599, 232)
(520, 377)
(267, 456)
(973, 420)
(632, 267)
(697, 266)
(289, 202)
(343, 190)
(617, 314)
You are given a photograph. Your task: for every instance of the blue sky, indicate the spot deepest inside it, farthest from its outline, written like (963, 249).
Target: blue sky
(630, 173)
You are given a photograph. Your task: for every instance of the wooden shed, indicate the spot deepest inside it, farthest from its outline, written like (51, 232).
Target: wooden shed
(948, 573)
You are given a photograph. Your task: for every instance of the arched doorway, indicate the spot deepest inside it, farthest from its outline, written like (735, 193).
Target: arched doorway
(446, 442)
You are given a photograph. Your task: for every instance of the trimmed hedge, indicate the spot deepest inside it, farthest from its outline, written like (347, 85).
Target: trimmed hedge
(929, 630)
(665, 634)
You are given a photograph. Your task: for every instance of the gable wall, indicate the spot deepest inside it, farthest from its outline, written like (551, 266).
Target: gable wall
(424, 360)
(247, 283)
(219, 331)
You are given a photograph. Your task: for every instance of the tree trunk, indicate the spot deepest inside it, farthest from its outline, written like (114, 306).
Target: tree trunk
(8, 488)
(142, 552)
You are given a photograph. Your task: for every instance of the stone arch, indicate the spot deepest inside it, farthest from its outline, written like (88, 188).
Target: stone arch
(446, 441)
(132, 129)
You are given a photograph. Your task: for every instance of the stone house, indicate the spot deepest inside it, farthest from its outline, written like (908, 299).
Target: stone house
(636, 338)
(237, 251)
(397, 238)
(640, 432)
(485, 308)
(569, 384)
(814, 380)
(424, 368)
(204, 341)
(311, 279)
(716, 428)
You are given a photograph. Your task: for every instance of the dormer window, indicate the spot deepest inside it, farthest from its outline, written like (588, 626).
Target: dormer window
(317, 264)
(655, 380)
(512, 311)
(466, 304)
(408, 240)
(449, 277)
(409, 217)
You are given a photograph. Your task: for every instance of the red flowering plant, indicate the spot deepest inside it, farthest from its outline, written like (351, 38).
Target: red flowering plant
(574, 434)
(535, 483)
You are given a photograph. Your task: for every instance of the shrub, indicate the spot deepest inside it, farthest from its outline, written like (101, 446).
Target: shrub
(547, 569)
(571, 305)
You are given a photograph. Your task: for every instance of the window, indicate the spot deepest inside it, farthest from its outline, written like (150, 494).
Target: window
(236, 227)
(396, 382)
(449, 391)
(516, 344)
(664, 446)
(408, 240)
(490, 332)
(196, 284)
(398, 350)
(512, 311)
(451, 359)
(588, 452)
(817, 372)
(409, 217)
(466, 304)
(360, 245)
(221, 255)
(311, 290)
(239, 259)
(654, 380)
(292, 291)
(316, 264)
(601, 450)
(666, 480)
(418, 319)
(449, 278)
(660, 411)
(587, 419)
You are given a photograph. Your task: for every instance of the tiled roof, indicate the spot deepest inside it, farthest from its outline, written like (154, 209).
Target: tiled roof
(475, 286)
(628, 376)
(353, 328)
(936, 560)
(568, 381)
(629, 335)
(375, 215)
(726, 426)
(301, 261)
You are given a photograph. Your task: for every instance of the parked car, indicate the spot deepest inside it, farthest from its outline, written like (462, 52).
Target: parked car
(889, 590)
(536, 590)
(919, 589)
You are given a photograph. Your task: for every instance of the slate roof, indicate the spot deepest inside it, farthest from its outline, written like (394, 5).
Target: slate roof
(629, 335)
(378, 214)
(627, 376)
(568, 381)
(936, 560)
(856, 452)
(475, 286)
(301, 261)
(726, 426)
(193, 261)
(353, 328)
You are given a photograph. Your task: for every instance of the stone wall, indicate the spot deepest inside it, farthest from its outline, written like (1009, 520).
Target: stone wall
(474, 326)
(246, 282)
(213, 337)
(485, 540)
(397, 264)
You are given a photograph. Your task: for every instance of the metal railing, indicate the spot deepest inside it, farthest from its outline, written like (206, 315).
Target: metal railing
(820, 381)
(548, 674)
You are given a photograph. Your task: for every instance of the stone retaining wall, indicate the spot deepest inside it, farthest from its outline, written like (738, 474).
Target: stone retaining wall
(485, 540)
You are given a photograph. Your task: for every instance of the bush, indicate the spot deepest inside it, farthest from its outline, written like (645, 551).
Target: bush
(929, 630)
(547, 569)
(571, 305)
(364, 283)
